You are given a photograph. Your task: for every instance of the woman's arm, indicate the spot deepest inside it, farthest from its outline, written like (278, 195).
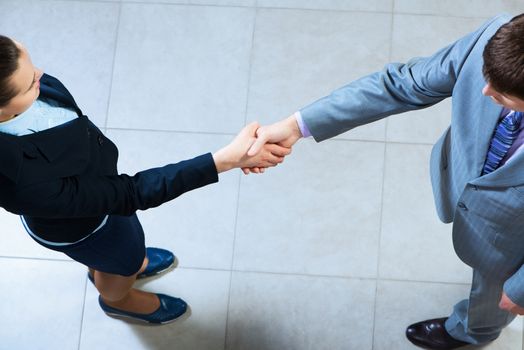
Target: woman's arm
(88, 196)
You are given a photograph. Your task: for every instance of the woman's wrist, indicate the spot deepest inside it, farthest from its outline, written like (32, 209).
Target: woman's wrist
(221, 161)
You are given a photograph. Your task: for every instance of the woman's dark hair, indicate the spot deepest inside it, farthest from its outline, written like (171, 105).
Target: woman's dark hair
(504, 58)
(9, 54)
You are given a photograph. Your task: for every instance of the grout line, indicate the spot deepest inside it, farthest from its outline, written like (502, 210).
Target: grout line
(167, 2)
(387, 142)
(117, 35)
(391, 11)
(250, 67)
(145, 2)
(234, 134)
(390, 49)
(251, 54)
(284, 8)
(293, 274)
(174, 131)
(82, 315)
(35, 258)
(88, 1)
(266, 272)
(441, 15)
(231, 263)
(379, 246)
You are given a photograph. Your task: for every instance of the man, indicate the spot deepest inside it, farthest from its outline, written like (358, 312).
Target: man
(477, 166)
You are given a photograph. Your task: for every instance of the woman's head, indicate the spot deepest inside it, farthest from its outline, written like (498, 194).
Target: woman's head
(19, 79)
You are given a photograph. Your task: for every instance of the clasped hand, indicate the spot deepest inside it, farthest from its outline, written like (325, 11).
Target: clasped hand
(257, 148)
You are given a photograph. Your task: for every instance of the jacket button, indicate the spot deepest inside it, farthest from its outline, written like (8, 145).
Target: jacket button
(100, 140)
(462, 206)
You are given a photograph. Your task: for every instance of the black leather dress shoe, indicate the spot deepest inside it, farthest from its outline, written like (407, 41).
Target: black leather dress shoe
(431, 334)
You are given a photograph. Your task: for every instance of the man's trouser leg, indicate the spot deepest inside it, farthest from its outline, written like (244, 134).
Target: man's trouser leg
(479, 319)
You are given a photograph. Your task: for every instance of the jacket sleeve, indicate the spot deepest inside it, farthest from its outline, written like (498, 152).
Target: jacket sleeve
(399, 87)
(88, 196)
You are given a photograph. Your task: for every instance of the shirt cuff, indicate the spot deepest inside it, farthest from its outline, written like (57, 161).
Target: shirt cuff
(301, 125)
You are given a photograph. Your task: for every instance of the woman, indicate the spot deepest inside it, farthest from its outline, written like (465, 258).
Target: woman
(59, 173)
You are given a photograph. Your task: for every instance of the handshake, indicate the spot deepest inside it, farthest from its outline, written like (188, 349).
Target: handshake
(257, 147)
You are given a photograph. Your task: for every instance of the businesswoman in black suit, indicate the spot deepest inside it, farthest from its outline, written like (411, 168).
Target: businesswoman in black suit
(59, 173)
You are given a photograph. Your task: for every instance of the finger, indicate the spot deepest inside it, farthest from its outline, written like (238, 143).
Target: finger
(274, 160)
(250, 129)
(278, 150)
(268, 165)
(262, 170)
(257, 145)
(245, 171)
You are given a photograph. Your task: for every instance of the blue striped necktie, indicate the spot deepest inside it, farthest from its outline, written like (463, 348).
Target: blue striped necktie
(505, 134)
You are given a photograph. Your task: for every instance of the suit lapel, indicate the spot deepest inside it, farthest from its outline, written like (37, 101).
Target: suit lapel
(511, 173)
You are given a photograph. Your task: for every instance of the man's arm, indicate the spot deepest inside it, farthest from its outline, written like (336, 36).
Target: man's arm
(399, 87)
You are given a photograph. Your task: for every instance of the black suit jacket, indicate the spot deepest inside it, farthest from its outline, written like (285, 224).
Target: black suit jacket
(64, 180)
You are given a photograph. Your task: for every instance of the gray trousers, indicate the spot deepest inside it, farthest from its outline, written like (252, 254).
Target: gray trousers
(479, 319)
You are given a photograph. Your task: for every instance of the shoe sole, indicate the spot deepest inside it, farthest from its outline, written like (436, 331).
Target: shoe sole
(127, 318)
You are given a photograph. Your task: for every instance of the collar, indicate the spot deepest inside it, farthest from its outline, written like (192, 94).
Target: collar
(49, 143)
(52, 88)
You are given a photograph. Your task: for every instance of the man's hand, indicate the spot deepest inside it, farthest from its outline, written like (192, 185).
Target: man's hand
(235, 154)
(284, 133)
(506, 304)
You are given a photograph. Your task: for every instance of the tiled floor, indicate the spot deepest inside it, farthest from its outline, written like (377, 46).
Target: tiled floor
(338, 248)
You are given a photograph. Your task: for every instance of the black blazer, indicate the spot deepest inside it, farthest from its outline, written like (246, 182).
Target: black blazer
(64, 180)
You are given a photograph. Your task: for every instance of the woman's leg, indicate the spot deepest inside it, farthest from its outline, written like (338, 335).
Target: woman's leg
(117, 292)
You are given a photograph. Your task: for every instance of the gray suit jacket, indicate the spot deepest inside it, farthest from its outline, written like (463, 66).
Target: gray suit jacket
(487, 211)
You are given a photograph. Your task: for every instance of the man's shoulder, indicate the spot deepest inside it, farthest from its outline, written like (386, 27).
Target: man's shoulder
(499, 20)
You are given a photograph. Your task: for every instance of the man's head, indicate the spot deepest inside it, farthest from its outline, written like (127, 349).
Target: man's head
(19, 79)
(504, 65)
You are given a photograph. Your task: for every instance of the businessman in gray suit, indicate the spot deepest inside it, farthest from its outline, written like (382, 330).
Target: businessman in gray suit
(477, 165)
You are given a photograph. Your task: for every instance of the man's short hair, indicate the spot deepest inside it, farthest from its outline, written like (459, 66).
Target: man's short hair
(504, 58)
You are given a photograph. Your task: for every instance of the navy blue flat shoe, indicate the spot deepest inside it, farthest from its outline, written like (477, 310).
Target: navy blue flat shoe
(160, 260)
(169, 310)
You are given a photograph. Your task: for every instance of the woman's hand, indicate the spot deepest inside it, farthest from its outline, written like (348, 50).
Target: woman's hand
(235, 155)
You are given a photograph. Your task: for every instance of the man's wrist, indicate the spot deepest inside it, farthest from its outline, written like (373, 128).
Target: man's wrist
(304, 130)
(292, 124)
